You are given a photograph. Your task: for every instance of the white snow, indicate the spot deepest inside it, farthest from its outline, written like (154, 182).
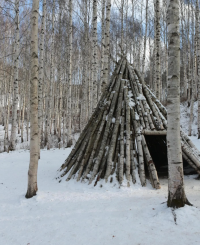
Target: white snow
(76, 213)
(107, 148)
(130, 99)
(137, 116)
(141, 97)
(113, 120)
(131, 103)
(185, 118)
(130, 94)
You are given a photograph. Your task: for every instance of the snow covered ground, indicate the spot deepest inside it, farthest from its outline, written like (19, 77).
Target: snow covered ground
(76, 213)
(185, 118)
(79, 214)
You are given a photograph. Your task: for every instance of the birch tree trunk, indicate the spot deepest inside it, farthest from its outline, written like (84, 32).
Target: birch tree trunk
(69, 131)
(33, 165)
(50, 95)
(94, 70)
(184, 96)
(145, 39)
(41, 74)
(157, 39)
(176, 192)
(154, 54)
(102, 40)
(193, 75)
(189, 58)
(122, 25)
(16, 89)
(58, 96)
(198, 63)
(83, 118)
(107, 46)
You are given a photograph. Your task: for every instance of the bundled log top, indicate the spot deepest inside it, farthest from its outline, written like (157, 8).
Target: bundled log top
(112, 144)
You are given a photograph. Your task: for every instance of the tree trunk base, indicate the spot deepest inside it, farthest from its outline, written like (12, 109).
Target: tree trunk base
(31, 192)
(69, 143)
(178, 203)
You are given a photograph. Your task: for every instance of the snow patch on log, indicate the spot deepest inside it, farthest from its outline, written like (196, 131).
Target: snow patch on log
(106, 148)
(131, 103)
(141, 97)
(137, 116)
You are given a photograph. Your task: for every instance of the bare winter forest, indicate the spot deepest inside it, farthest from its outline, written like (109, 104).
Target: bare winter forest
(106, 92)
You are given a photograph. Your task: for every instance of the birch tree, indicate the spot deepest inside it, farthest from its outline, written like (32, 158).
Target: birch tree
(83, 118)
(69, 139)
(34, 137)
(157, 48)
(145, 38)
(176, 192)
(107, 46)
(189, 55)
(184, 59)
(102, 39)
(198, 62)
(194, 27)
(16, 89)
(41, 72)
(94, 70)
(50, 94)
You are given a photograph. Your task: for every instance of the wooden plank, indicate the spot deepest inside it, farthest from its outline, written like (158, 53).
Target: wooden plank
(150, 132)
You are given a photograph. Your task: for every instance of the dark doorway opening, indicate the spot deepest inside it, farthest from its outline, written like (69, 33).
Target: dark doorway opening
(158, 149)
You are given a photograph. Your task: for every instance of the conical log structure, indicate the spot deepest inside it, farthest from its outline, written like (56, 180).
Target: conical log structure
(112, 144)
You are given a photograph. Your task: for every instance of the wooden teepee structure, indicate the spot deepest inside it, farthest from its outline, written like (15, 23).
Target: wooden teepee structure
(113, 144)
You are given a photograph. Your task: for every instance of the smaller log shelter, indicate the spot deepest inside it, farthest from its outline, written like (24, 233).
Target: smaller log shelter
(114, 143)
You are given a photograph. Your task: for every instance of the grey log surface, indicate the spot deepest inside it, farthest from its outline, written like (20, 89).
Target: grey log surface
(150, 132)
(112, 144)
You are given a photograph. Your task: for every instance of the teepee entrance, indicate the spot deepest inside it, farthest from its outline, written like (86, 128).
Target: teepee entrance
(158, 150)
(116, 141)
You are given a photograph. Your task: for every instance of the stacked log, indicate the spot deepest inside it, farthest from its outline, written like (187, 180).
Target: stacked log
(189, 151)
(112, 144)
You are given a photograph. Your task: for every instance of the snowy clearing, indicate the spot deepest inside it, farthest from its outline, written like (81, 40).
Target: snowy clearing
(76, 213)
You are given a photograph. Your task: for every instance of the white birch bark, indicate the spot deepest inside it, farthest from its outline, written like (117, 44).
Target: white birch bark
(198, 63)
(184, 96)
(107, 46)
(22, 118)
(69, 131)
(16, 89)
(102, 40)
(50, 95)
(189, 58)
(84, 108)
(176, 192)
(122, 25)
(193, 75)
(145, 38)
(94, 70)
(28, 100)
(157, 39)
(33, 165)
(41, 73)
